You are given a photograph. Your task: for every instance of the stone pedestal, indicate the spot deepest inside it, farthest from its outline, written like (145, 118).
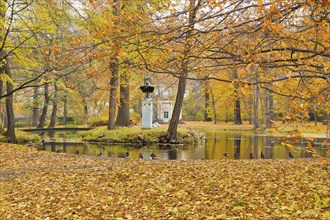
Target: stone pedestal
(147, 109)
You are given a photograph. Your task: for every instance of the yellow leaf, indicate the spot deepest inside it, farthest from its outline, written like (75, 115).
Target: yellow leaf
(240, 71)
(260, 2)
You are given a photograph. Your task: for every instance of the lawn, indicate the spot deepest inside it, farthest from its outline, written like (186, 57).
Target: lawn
(45, 185)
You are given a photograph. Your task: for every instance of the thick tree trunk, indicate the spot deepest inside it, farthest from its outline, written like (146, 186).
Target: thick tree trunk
(123, 116)
(114, 69)
(54, 110)
(45, 108)
(35, 109)
(114, 66)
(10, 132)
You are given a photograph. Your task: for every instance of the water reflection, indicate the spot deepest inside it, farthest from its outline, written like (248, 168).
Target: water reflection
(218, 145)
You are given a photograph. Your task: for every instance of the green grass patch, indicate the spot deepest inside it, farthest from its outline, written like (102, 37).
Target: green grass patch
(23, 137)
(137, 135)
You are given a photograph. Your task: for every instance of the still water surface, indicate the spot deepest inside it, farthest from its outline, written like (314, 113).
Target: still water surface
(216, 145)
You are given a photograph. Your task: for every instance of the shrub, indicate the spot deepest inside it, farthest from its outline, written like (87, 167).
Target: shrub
(96, 122)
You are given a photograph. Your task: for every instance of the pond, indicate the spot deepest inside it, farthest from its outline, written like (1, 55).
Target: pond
(218, 145)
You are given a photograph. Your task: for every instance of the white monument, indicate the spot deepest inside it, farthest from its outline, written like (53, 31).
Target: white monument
(147, 105)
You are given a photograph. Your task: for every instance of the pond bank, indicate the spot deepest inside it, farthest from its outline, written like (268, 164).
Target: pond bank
(40, 184)
(138, 136)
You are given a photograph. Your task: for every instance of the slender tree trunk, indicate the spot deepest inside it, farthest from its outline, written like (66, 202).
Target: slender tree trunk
(35, 109)
(237, 112)
(237, 109)
(174, 122)
(54, 110)
(114, 69)
(65, 110)
(256, 103)
(45, 108)
(207, 104)
(325, 119)
(214, 110)
(246, 106)
(262, 106)
(270, 111)
(123, 115)
(266, 108)
(85, 111)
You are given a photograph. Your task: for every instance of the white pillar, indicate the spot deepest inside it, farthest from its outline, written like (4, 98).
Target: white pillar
(147, 107)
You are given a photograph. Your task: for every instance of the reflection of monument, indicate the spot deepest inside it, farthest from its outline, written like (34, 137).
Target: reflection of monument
(147, 105)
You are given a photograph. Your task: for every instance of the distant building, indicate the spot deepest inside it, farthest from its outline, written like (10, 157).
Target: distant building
(164, 99)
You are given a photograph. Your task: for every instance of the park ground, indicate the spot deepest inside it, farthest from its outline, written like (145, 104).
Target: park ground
(45, 185)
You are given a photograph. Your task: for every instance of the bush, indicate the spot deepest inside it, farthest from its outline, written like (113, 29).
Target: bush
(136, 118)
(96, 122)
(199, 116)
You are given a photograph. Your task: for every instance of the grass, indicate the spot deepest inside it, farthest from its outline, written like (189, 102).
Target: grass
(137, 135)
(23, 137)
(307, 129)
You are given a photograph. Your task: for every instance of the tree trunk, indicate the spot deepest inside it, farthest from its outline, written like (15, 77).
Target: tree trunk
(207, 104)
(270, 110)
(214, 110)
(256, 103)
(65, 109)
(85, 111)
(246, 106)
(325, 119)
(35, 109)
(265, 108)
(114, 69)
(237, 112)
(45, 108)
(123, 116)
(174, 122)
(53, 115)
(237, 109)
(10, 132)
(114, 66)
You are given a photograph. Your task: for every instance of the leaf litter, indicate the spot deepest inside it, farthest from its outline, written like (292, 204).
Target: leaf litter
(45, 185)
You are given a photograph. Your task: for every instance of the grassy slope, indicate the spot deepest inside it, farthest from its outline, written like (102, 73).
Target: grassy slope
(39, 184)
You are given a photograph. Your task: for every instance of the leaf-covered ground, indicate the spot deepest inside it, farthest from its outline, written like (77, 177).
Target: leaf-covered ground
(44, 185)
